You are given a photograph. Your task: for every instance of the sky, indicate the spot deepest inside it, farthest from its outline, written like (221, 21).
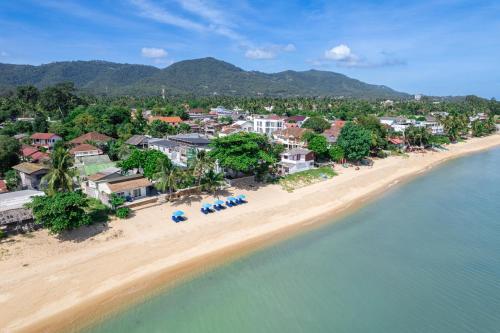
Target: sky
(440, 47)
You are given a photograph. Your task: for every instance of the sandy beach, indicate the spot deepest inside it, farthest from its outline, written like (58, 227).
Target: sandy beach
(51, 285)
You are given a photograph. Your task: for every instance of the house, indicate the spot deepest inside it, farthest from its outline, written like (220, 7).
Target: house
(200, 114)
(130, 187)
(14, 216)
(31, 174)
(296, 160)
(46, 140)
(173, 121)
(85, 149)
(20, 137)
(181, 149)
(268, 124)
(91, 137)
(333, 132)
(433, 125)
(138, 141)
(291, 137)
(295, 121)
(32, 154)
(236, 127)
(245, 125)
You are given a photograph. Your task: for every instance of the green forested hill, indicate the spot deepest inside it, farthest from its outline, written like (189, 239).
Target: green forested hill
(207, 76)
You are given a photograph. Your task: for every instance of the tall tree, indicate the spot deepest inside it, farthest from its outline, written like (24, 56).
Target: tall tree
(355, 141)
(167, 176)
(9, 153)
(317, 124)
(61, 172)
(202, 164)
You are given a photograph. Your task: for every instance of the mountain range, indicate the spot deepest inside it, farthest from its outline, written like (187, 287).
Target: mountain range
(199, 77)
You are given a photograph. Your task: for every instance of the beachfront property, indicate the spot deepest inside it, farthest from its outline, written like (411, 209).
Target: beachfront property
(295, 160)
(107, 182)
(331, 134)
(181, 149)
(268, 124)
(45, 140)
(14, 215)
(291, 137)
(432, 124)
(30, 174)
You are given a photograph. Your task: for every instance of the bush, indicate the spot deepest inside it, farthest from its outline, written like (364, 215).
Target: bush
(97, 211)
(123, 212)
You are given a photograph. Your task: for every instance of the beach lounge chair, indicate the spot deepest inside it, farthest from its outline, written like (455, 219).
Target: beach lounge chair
(178, 216)
(241, 198)
(218, 205)
(206, 208)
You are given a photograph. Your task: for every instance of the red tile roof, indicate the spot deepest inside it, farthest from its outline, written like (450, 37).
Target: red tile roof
(43, 136)
(83, 147)
(27, 151)
(395, 141)
(91, 136)
(170, 120)
(39, 156)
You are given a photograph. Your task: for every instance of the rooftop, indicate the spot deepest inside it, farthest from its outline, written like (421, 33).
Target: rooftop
(297, 151)
(135, 140)
(128, 183)
(166, 119)
(29, 168)
(83, 147)
(17, 199)
(43, 136)
(92, 137)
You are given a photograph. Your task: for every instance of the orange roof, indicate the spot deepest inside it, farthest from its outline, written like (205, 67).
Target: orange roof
(170, 120)
(28, 151)
(3, 186)
(43, 136)
(83, 147)
(40, 156)
(295, 132)
(91, 136)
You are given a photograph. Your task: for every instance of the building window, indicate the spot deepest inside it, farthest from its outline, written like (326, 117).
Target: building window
(137, 192)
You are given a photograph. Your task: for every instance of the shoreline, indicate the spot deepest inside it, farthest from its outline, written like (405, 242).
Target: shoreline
(133, 258)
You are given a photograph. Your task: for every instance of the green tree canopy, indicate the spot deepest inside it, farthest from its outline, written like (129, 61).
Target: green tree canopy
(61, 211)
(243, 152)
(318, 144)
(9, 149)
(61, 172)
(146, 160)
(336, 153)
(355, 141)
(377, 130)
(317, 124)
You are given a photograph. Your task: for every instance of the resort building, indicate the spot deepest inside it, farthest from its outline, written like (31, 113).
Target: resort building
(296, 160)
(92, 138)
(291, 137)
(181, 149)
(46, 140)
(268, 125)
(31, 174)
(102, 185)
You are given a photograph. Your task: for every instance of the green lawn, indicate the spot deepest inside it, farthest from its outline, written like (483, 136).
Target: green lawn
(95, 168)
(304, 178)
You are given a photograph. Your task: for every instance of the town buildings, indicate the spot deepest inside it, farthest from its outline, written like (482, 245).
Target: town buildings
(296, 160)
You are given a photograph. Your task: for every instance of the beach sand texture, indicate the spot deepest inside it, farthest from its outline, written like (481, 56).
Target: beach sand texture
(49, 285)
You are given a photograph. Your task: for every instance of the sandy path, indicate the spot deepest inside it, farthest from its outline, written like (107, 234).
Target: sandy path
(48, 284)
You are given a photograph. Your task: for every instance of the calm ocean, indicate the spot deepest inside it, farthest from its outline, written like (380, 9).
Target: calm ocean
(425, 257)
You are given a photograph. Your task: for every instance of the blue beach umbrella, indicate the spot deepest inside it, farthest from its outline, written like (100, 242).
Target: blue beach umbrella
(242, 196)
(178, 213)
(231, 199)
(218, 202)
(206, 206)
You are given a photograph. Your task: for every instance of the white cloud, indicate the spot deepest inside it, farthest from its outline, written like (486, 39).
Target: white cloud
(153, 52)
(340, 52)
(260, 54)
(289, 48)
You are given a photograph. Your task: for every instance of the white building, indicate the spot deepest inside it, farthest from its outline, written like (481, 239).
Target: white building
(268, 125)
(102, 185)
(296, 160)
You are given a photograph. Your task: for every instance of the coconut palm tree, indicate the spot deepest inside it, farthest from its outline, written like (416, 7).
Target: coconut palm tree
(61, 172)
(167, 176)
(212, 181)
(202, 164)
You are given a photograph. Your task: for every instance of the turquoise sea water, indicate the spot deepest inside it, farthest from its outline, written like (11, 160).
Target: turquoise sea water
(425, 257)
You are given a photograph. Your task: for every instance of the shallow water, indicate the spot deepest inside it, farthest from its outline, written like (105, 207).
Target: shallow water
(425, 257)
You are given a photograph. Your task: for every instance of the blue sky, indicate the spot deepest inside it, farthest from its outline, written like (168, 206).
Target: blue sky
(441, 47)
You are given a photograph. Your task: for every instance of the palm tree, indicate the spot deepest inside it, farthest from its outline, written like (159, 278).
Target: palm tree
(61, 173)
(212, 181)
(167, 176)
(202, 163)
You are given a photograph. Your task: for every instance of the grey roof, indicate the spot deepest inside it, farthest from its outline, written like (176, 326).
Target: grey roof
(136, 140)
(297, 151)
(164, 143)
(191, 138)
(17, 199)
